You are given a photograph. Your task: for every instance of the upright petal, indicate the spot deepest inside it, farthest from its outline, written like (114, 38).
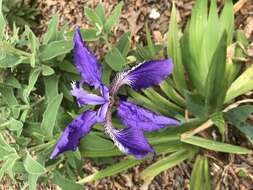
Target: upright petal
(86, 62)
(71, 136)
(137, 117)
(149, 73)
(103, 109)
(131, 141)
(104, 92)
(101, 114)
(84, 97)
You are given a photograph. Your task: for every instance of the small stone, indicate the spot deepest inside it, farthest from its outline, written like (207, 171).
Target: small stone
(154, 14)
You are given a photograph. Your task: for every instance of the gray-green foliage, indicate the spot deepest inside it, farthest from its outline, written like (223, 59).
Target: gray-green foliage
(21, 13)
(35, 104)
(31, 102)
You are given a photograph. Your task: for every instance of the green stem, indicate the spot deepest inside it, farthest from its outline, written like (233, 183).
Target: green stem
(4, 124)
(53, 167)
(38, 101)
(105, 37)
(41, 146)
(27, 106)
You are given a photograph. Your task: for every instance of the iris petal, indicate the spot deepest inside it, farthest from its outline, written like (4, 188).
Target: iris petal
(71, 136)
(137, 117)
(149, 73)
(104, 92)
(103, 109)
(131, 141)
(102, 112)
(86, 63)
(84, 97)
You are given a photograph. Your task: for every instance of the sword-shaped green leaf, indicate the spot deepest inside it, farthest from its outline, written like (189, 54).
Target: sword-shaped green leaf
(174, 51)
(215, 145)
(216, 84)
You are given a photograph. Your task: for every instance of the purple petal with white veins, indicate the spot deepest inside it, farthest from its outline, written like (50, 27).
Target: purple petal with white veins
(86, 63)
(84, 97)
(101, 114)
(103, 109)
(131, 141)
(104, 92)
(71, 136)
(149, 73)
(140, 118)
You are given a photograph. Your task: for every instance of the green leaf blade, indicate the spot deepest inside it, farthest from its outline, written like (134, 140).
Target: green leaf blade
(33, 77)
(151, 46)
(55, 49)
(94, 18)
(49, 116)
(166, 163)
(113, 19)
(216, 86)
(200, 177)
(95, 146)
(65, 184)
(51, 87)
(7, 165)
(115, 60)
(9, 60)
(50, 34)
(227, 20)
(174, 51)
(100, 12)
(32, 166)
(2, 21)
(215, 145)
(241, 85)
(111, 170)
(124, 44)
(90, 34)
(218, 120)
(238, 117)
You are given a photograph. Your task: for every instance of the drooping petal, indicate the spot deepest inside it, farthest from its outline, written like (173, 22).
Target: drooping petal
(101, 114)
(84, 97)
(148, 74)
(86, 63)
(71, 136)
(131, 141)
(137, 117)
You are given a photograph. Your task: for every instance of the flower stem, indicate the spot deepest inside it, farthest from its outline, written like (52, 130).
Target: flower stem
(202, 127)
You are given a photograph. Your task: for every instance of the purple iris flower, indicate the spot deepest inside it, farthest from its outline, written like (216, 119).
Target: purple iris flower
(131, 139)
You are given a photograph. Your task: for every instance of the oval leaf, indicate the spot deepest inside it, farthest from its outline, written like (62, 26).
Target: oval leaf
(49, 116)
(115, 59)
(55, 49)
(32, 166)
